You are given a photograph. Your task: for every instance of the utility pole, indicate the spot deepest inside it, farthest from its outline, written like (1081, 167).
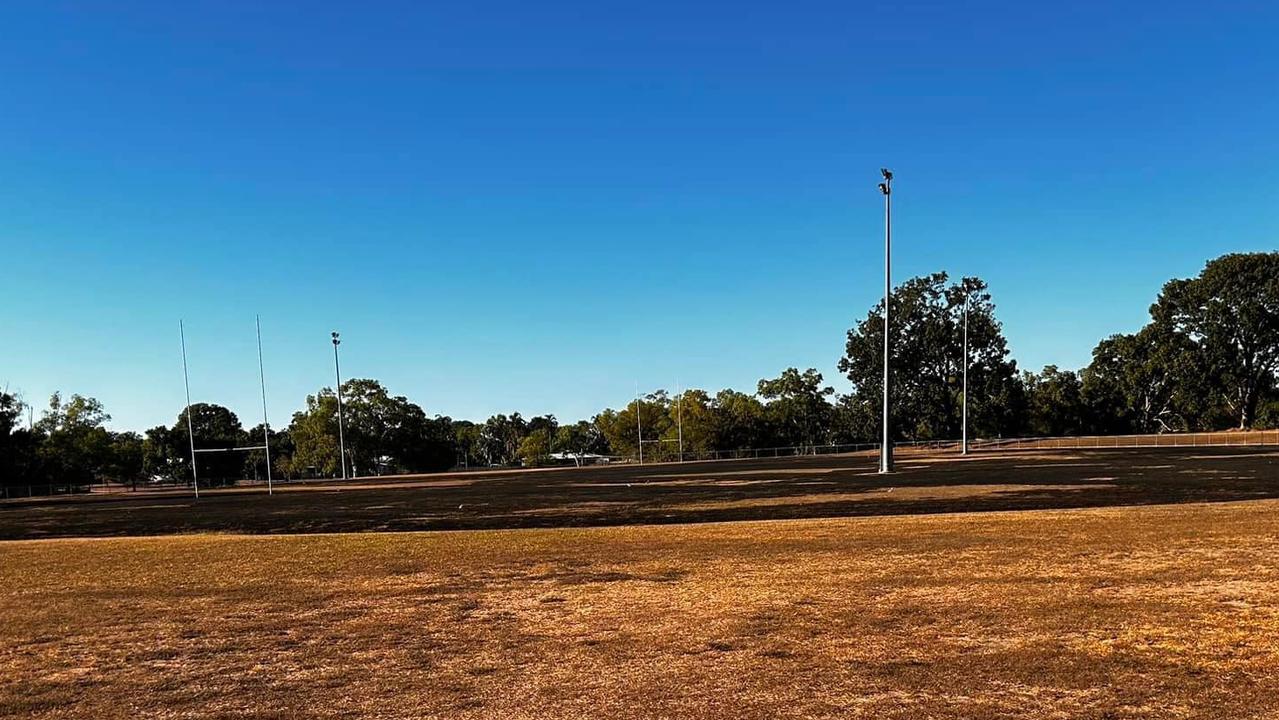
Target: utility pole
(886, 447)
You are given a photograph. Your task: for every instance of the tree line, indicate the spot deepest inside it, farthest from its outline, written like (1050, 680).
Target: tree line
(1207, 360)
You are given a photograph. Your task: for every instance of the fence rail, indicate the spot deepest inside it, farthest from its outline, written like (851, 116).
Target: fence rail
(1155, 440)
(1249, 438)
(41, 490)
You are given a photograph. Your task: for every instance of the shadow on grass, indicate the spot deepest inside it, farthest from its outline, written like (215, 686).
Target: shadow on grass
(805, 487)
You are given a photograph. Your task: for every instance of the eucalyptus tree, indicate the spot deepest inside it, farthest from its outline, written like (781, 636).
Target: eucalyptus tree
(798, 406)
(927, 360)
(75, 446)
(1153, 380)
(1230, 313)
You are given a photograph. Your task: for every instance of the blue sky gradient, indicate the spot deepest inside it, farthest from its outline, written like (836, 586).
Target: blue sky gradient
(531, 206)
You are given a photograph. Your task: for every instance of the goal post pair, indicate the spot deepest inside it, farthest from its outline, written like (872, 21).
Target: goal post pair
(266, 423)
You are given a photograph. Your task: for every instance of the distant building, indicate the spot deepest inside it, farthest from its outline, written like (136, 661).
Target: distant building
(580, 459)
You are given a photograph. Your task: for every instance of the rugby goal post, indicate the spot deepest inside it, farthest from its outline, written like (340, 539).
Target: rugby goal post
(266, 423)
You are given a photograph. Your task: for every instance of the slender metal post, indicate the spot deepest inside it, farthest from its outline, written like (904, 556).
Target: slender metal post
(639, 427)
(679, 418)
(965, 414)
(886, 447)
(266, 424)
(195, 477)
(337, 370)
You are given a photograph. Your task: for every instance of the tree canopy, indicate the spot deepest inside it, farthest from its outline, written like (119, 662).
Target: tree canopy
(383, 433)
(1230, 315)
(926, 363)
(1208, 359)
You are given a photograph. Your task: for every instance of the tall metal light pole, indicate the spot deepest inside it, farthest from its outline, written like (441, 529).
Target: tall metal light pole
(965, 414)
(337, 370)
(886, 187)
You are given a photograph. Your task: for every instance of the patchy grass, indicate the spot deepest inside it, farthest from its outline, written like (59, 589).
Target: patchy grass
(1126, 612)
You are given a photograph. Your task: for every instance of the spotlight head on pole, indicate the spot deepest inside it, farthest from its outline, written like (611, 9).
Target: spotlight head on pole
(336, 341)
(886, 445)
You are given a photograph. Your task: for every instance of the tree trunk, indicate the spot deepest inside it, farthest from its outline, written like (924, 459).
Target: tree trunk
(1248, 408)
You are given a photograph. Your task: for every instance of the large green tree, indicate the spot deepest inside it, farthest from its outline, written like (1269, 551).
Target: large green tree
(1154, 380)
(741, 421)
(1055, 403)
(127, 452)
(11, 407)
(19, 447)
(314, 431)
(389, 433)
(75, 446)
(798, 408)
(1230, 312)
(538, 443)
(535, 448)
(500, 439)
(163, 457)
(467, 441)
(217, 429)
(692, 419)
(281, 448)
(580, 439)
(622, 428)
(927, 361)
(383, 433)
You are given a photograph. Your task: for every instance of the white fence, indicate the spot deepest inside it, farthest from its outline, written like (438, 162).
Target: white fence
(1243, 438)
(1249, 438)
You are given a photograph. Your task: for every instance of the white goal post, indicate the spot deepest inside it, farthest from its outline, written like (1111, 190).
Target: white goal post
(266, 423)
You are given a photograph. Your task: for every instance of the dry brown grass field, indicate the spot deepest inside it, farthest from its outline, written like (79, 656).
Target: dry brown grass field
(1132, 610)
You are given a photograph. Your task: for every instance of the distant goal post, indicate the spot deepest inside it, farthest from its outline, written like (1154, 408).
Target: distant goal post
(265, 447)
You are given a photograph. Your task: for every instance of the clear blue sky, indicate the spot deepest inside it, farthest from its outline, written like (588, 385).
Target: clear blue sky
(532, 206)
